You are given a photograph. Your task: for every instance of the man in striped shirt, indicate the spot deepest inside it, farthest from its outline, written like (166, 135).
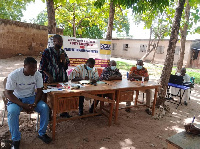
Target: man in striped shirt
(85, 71)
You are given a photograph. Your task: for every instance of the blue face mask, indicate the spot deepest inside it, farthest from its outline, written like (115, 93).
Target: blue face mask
(88, 68)
(113, 67)
(139, 67)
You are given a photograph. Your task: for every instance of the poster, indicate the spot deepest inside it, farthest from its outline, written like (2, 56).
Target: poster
(80, 49)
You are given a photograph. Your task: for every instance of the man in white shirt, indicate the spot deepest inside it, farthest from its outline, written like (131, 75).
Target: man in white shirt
(20, 91)
(84, 72)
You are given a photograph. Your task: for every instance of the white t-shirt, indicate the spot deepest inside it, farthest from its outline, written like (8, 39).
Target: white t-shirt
(23, 86)
(186, 78)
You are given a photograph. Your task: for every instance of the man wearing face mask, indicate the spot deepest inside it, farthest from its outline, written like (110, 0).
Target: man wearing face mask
(53, 65)
(136, 73)
(111, 72)
(85, 71)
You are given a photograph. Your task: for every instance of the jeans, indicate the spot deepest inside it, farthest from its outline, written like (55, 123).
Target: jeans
(14, 112)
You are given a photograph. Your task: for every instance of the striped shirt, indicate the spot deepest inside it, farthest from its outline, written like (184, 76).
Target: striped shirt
(80, 71)
(50, 62)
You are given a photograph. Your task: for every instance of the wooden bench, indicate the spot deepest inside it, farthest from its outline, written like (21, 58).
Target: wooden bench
(183, 140)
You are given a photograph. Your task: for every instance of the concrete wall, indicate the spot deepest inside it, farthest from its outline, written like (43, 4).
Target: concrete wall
(133, 50)
(22, 38)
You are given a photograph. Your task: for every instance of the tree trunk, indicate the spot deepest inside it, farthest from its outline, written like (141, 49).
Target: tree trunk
(183, 37)
(110, 21)
(170, 53)
(51, 17)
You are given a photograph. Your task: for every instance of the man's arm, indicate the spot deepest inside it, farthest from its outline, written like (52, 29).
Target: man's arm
(14, 99)
(38, 95)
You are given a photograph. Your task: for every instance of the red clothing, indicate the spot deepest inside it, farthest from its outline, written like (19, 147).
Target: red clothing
(142, 72)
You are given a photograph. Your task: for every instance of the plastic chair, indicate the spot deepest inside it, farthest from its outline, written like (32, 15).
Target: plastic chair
(5, 100)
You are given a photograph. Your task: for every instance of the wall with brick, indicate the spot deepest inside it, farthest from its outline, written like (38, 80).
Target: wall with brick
(22, 38)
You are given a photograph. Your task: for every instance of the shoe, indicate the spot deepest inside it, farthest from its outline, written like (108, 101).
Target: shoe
(65, 114)
(148, 111)
(45, 138)
(128, 110)
(80, 113)
(15, 144)
(185, 103)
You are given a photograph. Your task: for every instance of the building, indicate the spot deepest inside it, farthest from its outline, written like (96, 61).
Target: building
(137, 48)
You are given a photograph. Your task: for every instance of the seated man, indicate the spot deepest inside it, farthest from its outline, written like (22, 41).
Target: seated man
(186, 79)
(84, 72)
(136, 73)
(20, 91)
(111, 72)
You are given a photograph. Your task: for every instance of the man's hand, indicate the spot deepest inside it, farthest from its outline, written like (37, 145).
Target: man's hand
(62, 57)
(93, 81)
(28, 108)
(86, 78)
(50, 79)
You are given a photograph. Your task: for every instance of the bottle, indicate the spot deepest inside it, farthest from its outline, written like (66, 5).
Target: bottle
(142, 83)
(69, 85)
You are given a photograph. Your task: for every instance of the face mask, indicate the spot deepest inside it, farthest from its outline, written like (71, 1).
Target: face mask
(88, 68)
(113, 67)
(139, 67)
(58, 46)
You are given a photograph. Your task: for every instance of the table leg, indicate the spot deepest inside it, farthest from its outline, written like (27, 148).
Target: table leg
(154, 101)
(110, 116)
(54, 119)
(136, 97)
(117, 105)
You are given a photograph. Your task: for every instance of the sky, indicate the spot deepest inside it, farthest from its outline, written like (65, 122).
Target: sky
(136, 31)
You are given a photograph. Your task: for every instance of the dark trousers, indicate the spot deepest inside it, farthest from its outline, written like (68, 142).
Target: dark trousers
(81, 101)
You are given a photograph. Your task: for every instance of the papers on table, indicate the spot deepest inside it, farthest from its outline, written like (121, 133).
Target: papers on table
(52, 89)
(100, 82)
(84, 82)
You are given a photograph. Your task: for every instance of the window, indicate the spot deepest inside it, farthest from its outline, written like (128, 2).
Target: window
(143, 48)
(114, 45)
(160, 49)
(177, 50)
(125, 47)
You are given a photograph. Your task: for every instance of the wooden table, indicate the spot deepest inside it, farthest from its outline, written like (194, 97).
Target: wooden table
(62, 101)
(183, 140)
(125, 87)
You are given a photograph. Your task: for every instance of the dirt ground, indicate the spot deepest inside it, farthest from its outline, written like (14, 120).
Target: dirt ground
(134, 130)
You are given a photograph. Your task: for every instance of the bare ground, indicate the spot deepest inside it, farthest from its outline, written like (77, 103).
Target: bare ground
(134, 130)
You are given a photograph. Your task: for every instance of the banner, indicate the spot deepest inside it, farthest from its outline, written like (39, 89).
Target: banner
(80, 49)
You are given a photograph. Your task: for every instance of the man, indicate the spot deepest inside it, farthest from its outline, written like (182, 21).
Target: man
(136, 73)
(186, 79)
(84, 72)
(54, 62)
(53, 65)
(111, 72)
(20, 91)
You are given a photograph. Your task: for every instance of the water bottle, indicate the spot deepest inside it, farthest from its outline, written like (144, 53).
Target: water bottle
(69, 85)
(142, 83)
